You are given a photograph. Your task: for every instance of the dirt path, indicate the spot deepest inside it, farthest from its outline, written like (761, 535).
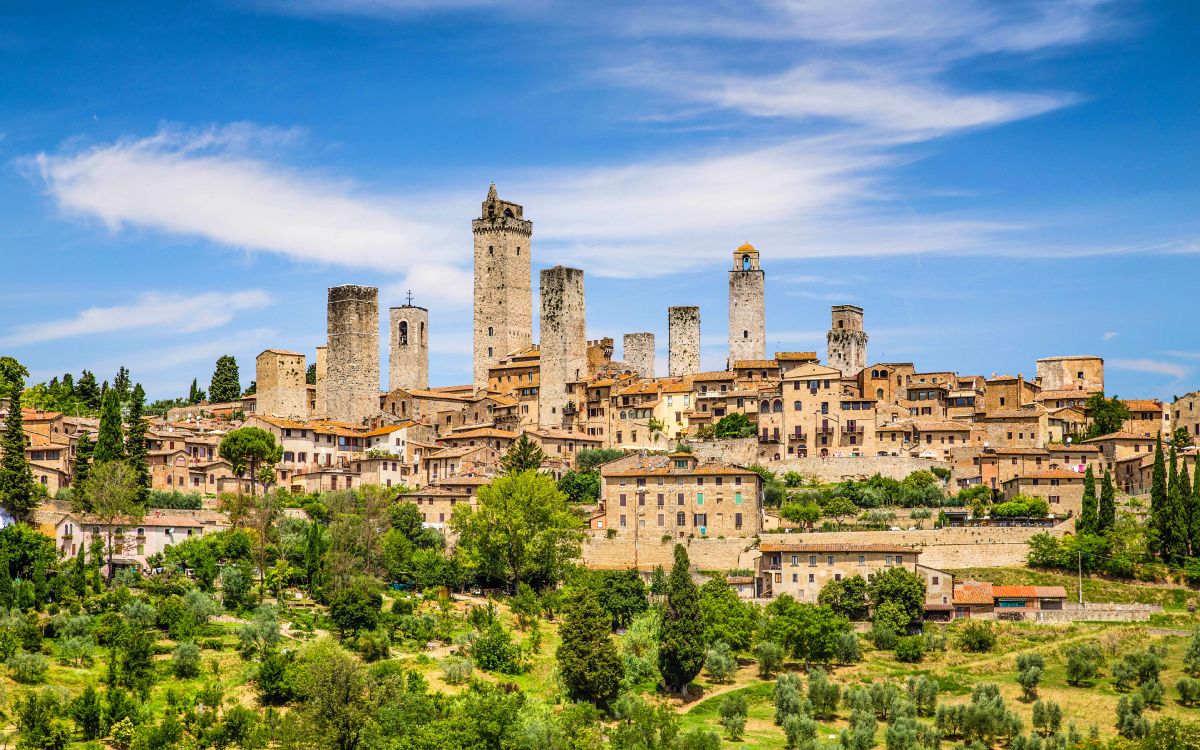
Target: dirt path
(746, 675)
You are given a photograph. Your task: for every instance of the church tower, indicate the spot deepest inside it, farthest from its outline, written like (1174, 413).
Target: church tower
(503, 283)
(847, 340)
(747, 307)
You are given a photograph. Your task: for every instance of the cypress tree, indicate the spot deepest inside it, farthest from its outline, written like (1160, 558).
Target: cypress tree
(110, 444)
(1190, 515)
(79, 574)
(226, 385)
(7, 592)
(1108, 503)
(135, 443)
(681, 639)
(16, 478)
(588, 661)
(121, 383)
(1159, 541)
(1088, 522)
(1195, 504)
(83, 460)
(1177, 513)
(87, 391)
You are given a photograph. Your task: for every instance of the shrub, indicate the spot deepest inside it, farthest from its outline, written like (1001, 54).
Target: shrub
(185, 660)
(848, 649)
(823, 695)
(1047, 717)
(799, 731)
(1083, 662)
(733, 715)
(883, 637)
(977, 637)
(922, 692)
(789, 697)
(1130, 722)
(720, 663)
(770, 658)
(375, 645)
(458, 669)
(1189, 691)
(494, 651)
(28, 668)
(910, 649)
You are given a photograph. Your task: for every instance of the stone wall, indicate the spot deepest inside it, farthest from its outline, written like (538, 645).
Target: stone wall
(408, 348)
(747, 315)
(839, 468)
(563, 340)
(1062, 373)
(683, 341)
(638, 353)
(737, 451)
(503, 284)
(1098, 612)
(352, 379)
(705, 554)
(280, 388)
(846, 340)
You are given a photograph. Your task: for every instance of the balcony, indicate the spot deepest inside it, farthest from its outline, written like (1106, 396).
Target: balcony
(826, 430)
(854, 429)
(798, 436)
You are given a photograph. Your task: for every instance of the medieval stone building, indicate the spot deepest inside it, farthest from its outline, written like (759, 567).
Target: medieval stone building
(352, 357)
(408, 347)
(683, 341)
(747, 310)
(503, 285)
(280, 387)
(563, 342)
(639, 353)
(847, 341)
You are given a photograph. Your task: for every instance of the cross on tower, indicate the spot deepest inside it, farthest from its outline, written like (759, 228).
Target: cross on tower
(410, 298)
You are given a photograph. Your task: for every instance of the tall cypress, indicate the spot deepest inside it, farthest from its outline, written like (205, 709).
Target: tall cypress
(135, 443)
(1108, 503)
(226, 384)
(588, 661)
(1191, 517)
(7, 592)
(83, 460)
(1177, 512)
(1195, 505)
(16, 478)
(110, 444)
(1159, 510)
(1088, 522)
(680, 640)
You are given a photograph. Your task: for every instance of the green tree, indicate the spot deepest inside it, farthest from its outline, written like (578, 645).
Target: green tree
(87, 391)
(1083, 662)
(355, 608)
(109, 498)
(135, 442)
(680, 645)
(622, 595)
(1088, 521)
(733, 711)
(12, 377)
(522, 455)
(1177, 512)
(249, 448)
(83, 459)
(195, 393)
(310, 374)
(734, 425)
(588, 661)
(18, 493)
(110, 444)
(900, 586)
(846, 597)
(1106, 415)
(724, 616)
(838, 508)
(226, 385)
(580, 486)
(1107, 516)
(807, 631)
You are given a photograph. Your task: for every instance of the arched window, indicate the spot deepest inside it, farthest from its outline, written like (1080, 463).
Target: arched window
(796, 406)
(489, 351)
(745, 334)
(490, 331)
(745, 262)
(491, 250)
(404, 333)
(878, 393)
(764, 406)
(508, 213)
(518, 252)
(680, 518)
(778, 406)
(422, 341)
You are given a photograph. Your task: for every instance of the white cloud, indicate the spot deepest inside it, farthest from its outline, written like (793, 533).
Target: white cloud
(1153, 366)
(169, 313)
(1110, 335)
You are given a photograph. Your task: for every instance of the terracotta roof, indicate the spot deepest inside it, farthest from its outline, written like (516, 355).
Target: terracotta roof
(1051, 474)
(1118, 435)
(553, 434)
(1144, 404)
(947, 426)
(1050, 592)
(973, 592)
(1014, 592)
(714, 375)
(440, 395)
(821, 547)
(1021, 452)
(481, 432)
(1076, 448)
(465, 481)
(1065, 393)
(453, 452)
(796, 356)
(754, 364)
(1013, 414)
(434, 491)
(281, 351)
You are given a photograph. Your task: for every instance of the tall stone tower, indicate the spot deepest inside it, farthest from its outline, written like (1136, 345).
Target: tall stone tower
(683, 341)
(503, 285)
(408, 347)
(847, 341)
(280, 387)
(352, 357)
(639, 353)
(563, 342)
(320, 407)
(747, 307)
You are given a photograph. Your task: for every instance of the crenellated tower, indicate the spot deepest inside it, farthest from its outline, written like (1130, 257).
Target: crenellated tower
(503, 283)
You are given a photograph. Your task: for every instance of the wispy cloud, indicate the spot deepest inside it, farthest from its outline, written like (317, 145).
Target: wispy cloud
(169, 313)
(1153, 366)
(1182, 354)
(1110, 335)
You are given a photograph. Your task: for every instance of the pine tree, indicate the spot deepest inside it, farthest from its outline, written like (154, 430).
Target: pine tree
(1159, 528)
(1108, 503)
(83, 460)
(87, 391)
(110, 444)
(121, 383)
(135, 442)
(589, 663)
(16, 478)
(522, 455)
(681, 641)
(1088, 522)
(226, 385)
(79, 574)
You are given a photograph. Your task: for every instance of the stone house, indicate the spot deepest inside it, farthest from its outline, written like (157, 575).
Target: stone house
(135, 544)
(941, 438)
(1117, 446)
(801, 569)
(1185, 413)
(1146, 417)
(676, 495)
(1061, 489)
(563, 444)
(980, 600)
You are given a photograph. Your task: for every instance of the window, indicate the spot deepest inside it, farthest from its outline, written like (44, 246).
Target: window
(680, 519)
(795, 560)
(812, 560)
(622, 521)
(862, 559)
(937, 581)
(679, 499)
(829, 560)
(812, 578)
(622, 500)
(737, 520)
(699, 498)
(795, 578)
(660, 519)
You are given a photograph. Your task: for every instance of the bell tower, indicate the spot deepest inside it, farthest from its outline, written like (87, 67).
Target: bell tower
(747, 307)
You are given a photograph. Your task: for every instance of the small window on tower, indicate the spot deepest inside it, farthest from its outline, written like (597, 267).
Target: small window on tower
(745, 334)
(489, 351)
(404, 333)
(490, 332)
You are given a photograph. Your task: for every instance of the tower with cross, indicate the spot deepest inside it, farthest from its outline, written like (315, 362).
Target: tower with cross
(408, 346)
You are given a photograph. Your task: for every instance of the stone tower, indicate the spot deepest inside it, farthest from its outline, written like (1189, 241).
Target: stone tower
(352, 357)
(683, 341)
(563, 345)
(280, 388)
(747, 307)
(503, 284)
(408, 347)
(639, 353)
(320, 407)
(847, 340)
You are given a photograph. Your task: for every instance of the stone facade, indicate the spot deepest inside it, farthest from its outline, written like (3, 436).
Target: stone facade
(747, 308)
(563, 342)
(847, 341)
(683, 341)
(639, 353)
(280, 385)
(1185, 413)
(408, 348)
(503, 284)
(321, 407)
(352, 379)
(1084, 373)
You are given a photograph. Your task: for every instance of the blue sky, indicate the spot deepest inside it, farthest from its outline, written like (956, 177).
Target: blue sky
(993, 182)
